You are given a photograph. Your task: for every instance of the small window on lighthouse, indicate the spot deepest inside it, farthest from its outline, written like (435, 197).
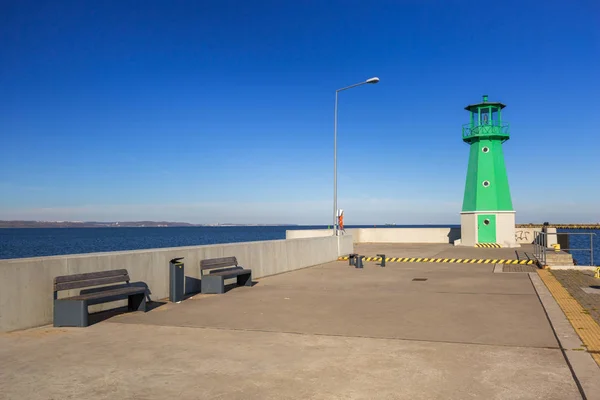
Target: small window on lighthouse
(486, 183)
(485, 149)
(486, 221)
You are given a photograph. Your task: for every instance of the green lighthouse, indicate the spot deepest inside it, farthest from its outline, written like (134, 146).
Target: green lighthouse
(487, 215)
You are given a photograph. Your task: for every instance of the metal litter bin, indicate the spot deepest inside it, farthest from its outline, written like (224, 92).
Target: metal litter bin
(176, 275)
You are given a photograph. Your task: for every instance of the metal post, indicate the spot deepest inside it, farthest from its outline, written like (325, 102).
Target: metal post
(335, 221)
(335, 166)
(592, 249)
(545, 249)
(352, 259)
(542, 247)
(537, 246)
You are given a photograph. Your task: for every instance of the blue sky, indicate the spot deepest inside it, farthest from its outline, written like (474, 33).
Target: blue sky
(222, 111)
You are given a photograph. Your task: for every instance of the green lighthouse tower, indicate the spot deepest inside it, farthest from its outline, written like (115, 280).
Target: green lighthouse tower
(487, 215)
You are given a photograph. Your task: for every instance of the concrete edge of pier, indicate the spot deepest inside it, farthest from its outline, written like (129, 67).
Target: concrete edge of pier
(584, 369)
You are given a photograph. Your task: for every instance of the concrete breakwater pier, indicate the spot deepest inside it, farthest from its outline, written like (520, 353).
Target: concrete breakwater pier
(28, 304)
(311, 326)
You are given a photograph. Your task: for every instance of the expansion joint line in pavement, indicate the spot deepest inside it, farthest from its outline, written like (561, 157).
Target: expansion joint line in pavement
(445, 260)
(337, 335)
(585, 326)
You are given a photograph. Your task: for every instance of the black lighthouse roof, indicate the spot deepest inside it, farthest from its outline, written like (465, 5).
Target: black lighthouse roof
(472, 107)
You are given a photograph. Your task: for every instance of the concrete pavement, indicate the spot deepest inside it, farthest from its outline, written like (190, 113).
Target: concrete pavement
(439, 250)
(335, 299)
(326, 332)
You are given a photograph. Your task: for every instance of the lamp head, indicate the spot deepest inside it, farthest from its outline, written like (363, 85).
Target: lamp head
(372, 80)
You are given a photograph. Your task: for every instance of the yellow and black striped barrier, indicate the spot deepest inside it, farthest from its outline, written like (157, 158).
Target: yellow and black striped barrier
(488, 245)
(445, 260)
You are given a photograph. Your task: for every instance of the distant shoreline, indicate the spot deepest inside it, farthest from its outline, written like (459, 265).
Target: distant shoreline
(168, 224)
(127, 224)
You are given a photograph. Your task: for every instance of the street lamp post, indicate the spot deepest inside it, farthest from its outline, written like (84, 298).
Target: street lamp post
(335, 221)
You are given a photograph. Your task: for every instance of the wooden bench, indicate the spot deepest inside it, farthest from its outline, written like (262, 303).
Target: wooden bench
(73, 311)
(221, 269)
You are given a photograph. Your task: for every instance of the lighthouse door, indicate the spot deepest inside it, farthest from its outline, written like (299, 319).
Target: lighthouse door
(486, 228)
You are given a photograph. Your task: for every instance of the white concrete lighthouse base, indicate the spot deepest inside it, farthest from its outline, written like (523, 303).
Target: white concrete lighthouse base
(505, 228)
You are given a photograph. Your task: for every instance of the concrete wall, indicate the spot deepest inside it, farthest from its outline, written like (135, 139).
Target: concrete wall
(346, 245)
(527, 235)
(408, 235)
(26, 283)
(422, 235)
(468, 225)
(346, 242)
(308, 233)
(505, 229)
(387, 235)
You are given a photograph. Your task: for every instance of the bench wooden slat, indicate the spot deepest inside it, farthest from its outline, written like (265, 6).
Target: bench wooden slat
(90, 275)
(90, 282)
(218, 262)
(108, 293)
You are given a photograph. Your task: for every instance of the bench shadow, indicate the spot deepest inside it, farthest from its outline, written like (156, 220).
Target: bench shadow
(100, 316)
(231, 286)
(228, 287)
(192, 286)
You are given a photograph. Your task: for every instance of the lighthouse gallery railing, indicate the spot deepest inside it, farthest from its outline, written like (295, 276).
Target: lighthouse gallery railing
(492, 129)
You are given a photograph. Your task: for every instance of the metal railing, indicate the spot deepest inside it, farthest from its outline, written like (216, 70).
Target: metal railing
(541, 248)
(492, 128)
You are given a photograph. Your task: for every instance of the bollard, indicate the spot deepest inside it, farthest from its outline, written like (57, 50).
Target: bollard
(382, 259)
(359, 262)
(352, 259)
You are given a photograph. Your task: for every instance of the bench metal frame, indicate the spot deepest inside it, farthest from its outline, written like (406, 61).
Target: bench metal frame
(73, 311)
(221, 269)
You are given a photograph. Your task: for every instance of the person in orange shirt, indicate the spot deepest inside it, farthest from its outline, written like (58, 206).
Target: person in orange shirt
(341, 220)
